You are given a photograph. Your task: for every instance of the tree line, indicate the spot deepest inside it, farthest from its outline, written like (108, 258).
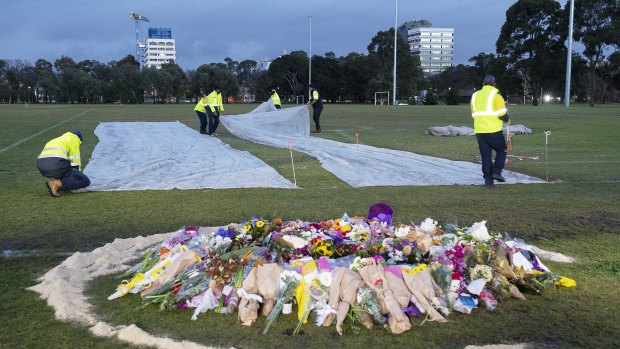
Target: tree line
(529, 62)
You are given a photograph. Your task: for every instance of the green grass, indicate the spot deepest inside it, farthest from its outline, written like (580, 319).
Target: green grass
(577, 215)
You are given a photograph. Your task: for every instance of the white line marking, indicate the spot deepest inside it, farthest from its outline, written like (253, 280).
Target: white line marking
(47, 129)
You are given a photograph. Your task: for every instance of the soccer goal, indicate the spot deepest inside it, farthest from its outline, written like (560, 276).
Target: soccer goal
(381, 99)
(300, 97)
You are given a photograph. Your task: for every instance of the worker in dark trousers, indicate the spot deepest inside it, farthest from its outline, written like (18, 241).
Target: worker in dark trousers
(317, 106)
(489, 112)
(60, 164)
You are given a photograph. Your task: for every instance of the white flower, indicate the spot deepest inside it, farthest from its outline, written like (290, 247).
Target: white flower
(357, 263)
(428, 226)
(479, 231)
(325, 278)
(481, 271)
(402, 231)
(386, 242)
(306, 234)
(289, 275)
(297, 242)
(358, 233)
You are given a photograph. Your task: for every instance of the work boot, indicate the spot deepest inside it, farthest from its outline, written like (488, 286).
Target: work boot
(498, 178)
(203, 132)
(318, 130)
(55, 186)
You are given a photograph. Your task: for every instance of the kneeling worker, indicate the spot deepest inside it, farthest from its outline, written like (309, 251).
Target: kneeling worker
(60, 163)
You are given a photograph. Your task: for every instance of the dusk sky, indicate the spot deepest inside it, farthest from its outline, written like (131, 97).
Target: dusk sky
(209, 31)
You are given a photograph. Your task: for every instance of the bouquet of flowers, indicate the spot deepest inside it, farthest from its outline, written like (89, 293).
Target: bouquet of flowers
(289, 280)
(367, 302)
(258, 228)
(309, 292)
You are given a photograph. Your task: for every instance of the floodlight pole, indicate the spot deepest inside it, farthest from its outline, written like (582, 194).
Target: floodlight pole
(310, 59)
(569, 54)
(395, 42)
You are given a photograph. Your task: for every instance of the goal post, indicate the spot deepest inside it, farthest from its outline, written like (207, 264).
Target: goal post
(297, 98)
(381, 100)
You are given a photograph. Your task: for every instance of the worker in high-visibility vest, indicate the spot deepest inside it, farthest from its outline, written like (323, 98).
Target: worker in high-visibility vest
(317, 106)
(215, 107)
(489, 113)
(276, 99)
(201, 111)
(61, 165)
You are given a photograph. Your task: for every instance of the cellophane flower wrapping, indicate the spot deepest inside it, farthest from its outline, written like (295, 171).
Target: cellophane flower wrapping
(289, 281)
(367, 302)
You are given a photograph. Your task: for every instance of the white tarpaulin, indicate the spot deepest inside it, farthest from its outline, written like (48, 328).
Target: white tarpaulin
(359, 166)
(168, 155)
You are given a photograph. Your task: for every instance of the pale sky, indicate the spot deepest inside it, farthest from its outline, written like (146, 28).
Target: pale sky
(209, 31)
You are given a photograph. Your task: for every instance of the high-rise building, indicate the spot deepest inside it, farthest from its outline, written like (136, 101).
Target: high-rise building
(434, 46)
(159, 48)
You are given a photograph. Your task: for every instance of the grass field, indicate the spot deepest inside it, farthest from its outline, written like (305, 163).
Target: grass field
(578, 215)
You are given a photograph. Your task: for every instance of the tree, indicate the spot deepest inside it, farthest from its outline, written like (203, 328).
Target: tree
(47, 82)
(532, 38)
(430, 98)
(452, 97)
(327, 75)
(290, 70)
(595, 29)
(381, 53)
(210, 75)
(127, 84)
(356, 73)
(178, 80)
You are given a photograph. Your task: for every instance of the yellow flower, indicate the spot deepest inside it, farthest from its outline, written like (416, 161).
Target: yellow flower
(247, 227)
(336, 224)
(345, 228)
(260, 224)
(566, 282)
(323, 250)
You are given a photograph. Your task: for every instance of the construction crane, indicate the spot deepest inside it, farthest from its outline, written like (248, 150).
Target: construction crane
(139, 46)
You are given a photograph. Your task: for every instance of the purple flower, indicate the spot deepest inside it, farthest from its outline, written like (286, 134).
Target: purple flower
(225, 233)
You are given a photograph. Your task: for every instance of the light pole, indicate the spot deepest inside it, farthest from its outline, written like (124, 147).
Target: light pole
(569, 54)
(310, 59)
(28, 94)
(395, 42)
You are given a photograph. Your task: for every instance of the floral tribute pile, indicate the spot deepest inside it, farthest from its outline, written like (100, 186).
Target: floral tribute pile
(366, 271)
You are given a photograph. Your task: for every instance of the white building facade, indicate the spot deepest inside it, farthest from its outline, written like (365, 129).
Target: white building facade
(434, 46)
(160, 48)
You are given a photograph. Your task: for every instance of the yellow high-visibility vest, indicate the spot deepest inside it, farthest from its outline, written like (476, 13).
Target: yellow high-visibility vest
(200, 106)
(220, 105)
(66, 147)
(275, 99)
(487, 105)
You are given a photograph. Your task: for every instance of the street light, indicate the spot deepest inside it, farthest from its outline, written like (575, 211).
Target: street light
(395, 42)
(569, 54)
(310, 59)
(28, 94)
